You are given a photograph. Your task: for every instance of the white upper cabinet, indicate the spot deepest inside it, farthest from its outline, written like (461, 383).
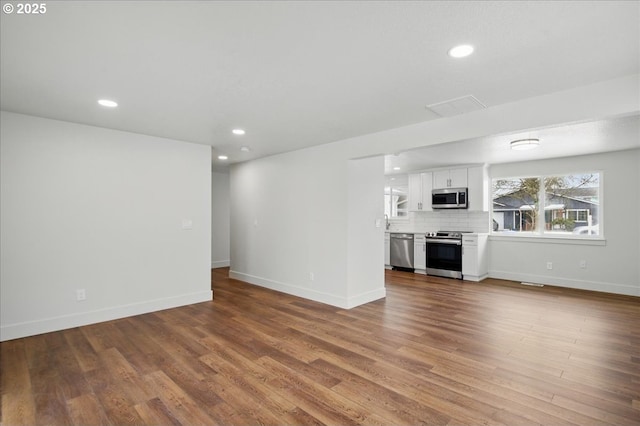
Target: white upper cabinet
(420, 185)
(453, 178)
(478, 192)
(475, 178)
(415, 192)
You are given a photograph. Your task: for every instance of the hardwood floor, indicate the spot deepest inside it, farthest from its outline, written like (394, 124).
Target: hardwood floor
(435, 351)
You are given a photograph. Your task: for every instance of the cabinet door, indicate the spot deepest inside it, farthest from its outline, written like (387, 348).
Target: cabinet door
(478, 184)
(387, 249)
(441, 179)
(469, 260)
(415, 192)
(454, 178)
(427, 186)
(419, 255)
(458, 178)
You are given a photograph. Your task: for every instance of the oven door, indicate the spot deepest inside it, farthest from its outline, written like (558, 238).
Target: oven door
(444, 258)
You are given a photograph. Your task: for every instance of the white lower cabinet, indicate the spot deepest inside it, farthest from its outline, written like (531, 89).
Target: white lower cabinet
(387, 250)
(474, 257)
(419, 254)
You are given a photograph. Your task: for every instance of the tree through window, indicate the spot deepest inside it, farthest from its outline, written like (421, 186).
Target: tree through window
(564, 204)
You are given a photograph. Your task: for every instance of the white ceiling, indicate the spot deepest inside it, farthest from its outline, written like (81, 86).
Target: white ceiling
(612, 134)
(297, 74)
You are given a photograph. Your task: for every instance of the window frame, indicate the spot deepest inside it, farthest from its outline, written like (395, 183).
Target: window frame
(389, 205)
(540, 234)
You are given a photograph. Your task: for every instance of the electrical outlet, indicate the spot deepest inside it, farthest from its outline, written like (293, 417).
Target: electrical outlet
(583, 264)
(549, 265)
(81, 294)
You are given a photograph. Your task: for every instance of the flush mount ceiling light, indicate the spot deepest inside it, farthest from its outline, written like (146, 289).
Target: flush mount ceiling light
(108, 103)
(222, 157)
(396, 168)
(461, 51)
(525, 144)
(245, 149)
(238, 132)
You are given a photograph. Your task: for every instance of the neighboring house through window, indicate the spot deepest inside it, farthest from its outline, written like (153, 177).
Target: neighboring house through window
(547, 205)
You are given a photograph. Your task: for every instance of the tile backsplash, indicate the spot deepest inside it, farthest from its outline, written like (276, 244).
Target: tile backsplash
(444, 220)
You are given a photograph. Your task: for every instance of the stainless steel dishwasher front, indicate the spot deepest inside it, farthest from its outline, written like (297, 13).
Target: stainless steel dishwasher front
(402, 250)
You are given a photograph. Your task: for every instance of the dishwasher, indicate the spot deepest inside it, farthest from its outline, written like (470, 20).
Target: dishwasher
(401, 251)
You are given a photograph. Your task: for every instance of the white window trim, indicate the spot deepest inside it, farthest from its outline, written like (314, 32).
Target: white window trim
(554, 239)
(539, 235)
(392, 219)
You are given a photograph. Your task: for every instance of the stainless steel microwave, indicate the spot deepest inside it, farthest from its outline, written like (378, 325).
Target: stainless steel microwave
(449, 198)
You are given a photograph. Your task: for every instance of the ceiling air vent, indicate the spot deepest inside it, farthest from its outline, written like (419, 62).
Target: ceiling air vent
(456, 106)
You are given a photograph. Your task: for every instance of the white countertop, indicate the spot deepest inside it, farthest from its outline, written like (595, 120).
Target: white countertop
(406, 231)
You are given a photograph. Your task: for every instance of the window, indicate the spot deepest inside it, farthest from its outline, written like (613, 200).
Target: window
(547, 205)
(581, 215)
(396, 201)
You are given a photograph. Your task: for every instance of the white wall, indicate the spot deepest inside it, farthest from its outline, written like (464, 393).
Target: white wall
(220, 222)
(365, 230)
(101, 210)
(611, 266)
(290, 230)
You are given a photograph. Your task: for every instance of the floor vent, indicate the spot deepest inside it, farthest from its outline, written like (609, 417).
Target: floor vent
(532, 284)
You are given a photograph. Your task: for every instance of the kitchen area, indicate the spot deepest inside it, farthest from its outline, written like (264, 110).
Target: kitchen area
(437, 222)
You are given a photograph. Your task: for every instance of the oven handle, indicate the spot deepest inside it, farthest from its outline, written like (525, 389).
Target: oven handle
(453, 242)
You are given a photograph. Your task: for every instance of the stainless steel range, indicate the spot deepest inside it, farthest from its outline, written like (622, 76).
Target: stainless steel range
(444, 254)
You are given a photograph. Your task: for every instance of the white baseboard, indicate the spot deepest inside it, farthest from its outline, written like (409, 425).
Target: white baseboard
(474, 278)
(605, 287)
(220, 263)
(307, 293)
(367, 297)
(32, 328)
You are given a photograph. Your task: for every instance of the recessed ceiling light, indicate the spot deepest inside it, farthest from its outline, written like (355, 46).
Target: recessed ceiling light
(525, 144)
(245, 149)
(238, 132)
(461, 51)
(396, 168)
(222, 157)
(108, 103)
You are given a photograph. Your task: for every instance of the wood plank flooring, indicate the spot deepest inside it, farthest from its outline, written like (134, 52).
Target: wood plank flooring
(435, 351)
